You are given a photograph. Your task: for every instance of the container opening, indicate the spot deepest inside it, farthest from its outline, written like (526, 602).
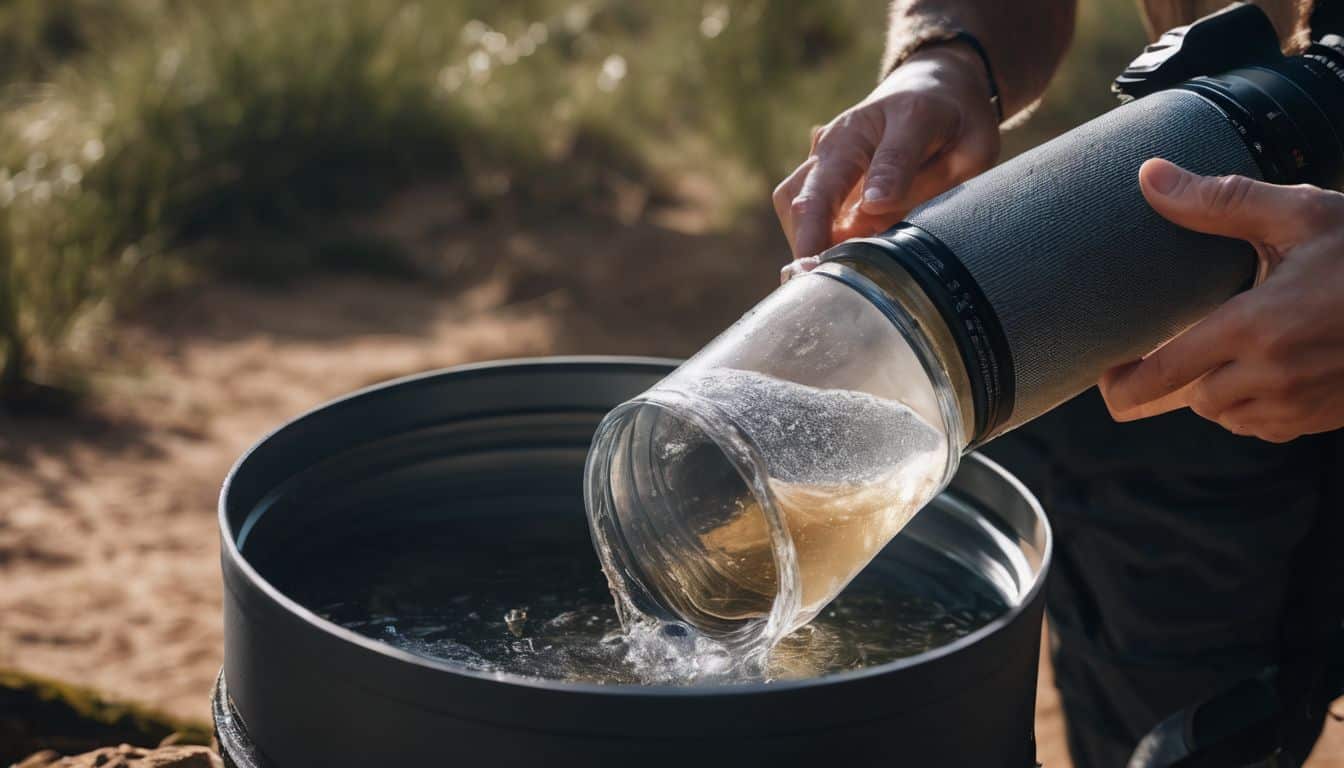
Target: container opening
(682, 526)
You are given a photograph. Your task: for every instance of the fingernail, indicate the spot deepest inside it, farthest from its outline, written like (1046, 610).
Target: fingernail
(1164, 177)
(872, 195)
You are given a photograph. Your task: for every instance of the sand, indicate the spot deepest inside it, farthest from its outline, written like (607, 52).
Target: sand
(109, 571)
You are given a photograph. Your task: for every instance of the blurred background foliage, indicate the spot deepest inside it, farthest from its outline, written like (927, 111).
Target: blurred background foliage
(150, 143)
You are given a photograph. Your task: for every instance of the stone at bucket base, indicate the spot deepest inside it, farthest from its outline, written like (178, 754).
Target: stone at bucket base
(126, 756)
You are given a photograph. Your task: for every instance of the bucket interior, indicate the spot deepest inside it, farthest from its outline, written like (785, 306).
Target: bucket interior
(485, 514)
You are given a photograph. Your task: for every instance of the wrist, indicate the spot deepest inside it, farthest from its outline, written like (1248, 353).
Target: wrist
(970, 58)
(963, 67)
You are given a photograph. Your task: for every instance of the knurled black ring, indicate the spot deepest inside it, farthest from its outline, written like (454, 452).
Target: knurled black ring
(965, 310)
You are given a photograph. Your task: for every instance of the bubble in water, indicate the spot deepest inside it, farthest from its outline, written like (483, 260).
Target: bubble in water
(811, 435)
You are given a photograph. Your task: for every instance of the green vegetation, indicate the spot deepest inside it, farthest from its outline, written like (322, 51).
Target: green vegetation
(149, 141)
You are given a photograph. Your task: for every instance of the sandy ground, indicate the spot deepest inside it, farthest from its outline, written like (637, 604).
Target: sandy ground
(108, 547)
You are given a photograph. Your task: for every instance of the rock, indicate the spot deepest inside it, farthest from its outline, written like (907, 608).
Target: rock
(38, 713)
(126, 756)
(40, 760)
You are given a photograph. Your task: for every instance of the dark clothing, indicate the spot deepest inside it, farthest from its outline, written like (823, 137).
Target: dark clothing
(1186, 559)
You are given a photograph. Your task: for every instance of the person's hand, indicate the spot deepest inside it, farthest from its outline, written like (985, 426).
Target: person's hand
(927, 127)
(1269, 362)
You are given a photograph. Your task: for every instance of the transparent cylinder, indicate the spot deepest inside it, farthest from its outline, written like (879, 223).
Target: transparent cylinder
(742, 493)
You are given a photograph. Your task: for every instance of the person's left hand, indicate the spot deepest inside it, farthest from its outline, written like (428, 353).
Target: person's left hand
(1269, 362)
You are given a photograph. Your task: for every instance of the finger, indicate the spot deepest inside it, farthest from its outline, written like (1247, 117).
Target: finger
(1243, 419)
(938, 174)
(941, 173)
(1172, 401)
(1207, 345)
(1232, 206)
(963, 158)
(929, 181)
(1227, 387)
(856, 223)
(817, 132)
(909, 138)
(824, 189)
(1261, 419)
(784, 194)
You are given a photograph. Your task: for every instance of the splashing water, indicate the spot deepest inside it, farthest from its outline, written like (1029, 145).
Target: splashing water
(545, 612)
(519, 593)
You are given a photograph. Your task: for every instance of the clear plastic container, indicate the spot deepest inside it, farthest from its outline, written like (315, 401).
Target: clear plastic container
(743, 492)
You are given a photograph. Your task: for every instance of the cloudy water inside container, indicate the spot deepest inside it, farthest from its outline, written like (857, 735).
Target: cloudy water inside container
(743, 503)
(529, 599)
(847, 471)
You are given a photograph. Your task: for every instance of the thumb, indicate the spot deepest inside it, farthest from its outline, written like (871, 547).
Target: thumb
(1231, 206)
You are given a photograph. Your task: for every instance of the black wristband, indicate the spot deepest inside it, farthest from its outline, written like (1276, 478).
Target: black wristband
(974, 42)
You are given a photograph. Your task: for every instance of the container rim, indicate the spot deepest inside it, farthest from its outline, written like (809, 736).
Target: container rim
(234, 557)
(719, 427)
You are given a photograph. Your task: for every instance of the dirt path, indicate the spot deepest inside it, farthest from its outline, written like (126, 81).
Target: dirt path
(108, 548)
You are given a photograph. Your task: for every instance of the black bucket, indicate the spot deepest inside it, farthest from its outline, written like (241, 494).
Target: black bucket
(297, 690)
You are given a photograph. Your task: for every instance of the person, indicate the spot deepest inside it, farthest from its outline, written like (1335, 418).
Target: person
(1196, 531)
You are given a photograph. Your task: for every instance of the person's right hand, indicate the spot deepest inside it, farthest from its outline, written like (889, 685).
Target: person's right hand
(927, 127)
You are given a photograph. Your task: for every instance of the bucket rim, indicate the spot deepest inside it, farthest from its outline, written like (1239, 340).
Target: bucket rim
(233, 558)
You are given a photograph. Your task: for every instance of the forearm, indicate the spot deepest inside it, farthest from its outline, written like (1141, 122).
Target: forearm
(1025, 39)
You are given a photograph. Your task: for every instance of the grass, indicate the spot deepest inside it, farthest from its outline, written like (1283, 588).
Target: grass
(252, 121)
(149, 142)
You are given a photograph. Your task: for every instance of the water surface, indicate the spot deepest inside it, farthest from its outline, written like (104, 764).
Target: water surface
(529, 599)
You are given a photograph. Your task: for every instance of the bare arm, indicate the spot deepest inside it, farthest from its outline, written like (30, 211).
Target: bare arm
(929, 124)
(1025, 39)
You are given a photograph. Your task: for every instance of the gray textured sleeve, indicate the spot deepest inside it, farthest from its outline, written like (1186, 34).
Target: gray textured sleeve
(1080, 271)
